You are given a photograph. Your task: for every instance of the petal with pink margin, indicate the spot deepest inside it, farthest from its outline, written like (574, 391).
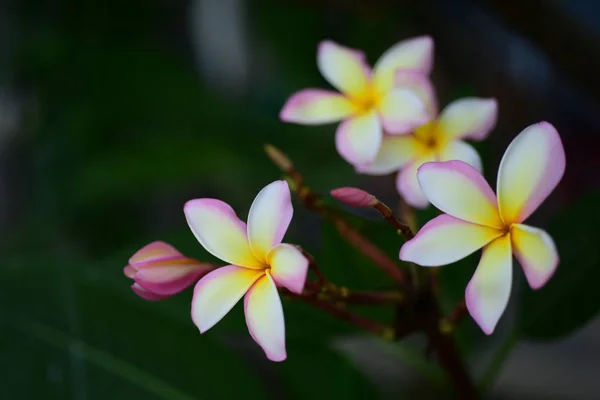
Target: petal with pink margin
(264, 317)
(461, 151)
(530, 169)
(536, 252)
(344, 68)
(407, 183)
(469, 117)
(421, 85)
(146, 294)
(415, 53)
(218, 292)
(402, 110)
(358, 139)
(316, 106)
(445, 240)
(154, 251)
(269, 218)
(129, 271)
(488, 291)
(289, 267)
(171, 276)
(395, 152)
(220, 231)
(460, 190)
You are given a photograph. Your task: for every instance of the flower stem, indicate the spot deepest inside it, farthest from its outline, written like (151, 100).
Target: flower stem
(341, 312)
(313, 202)
(389, 216)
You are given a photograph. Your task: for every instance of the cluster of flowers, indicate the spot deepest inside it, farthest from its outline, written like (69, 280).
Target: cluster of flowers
(389, 124)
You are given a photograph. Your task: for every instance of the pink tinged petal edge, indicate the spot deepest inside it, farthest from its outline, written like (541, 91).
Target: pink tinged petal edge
(532, 166)
(129, 271)
(408, 186)
(289, 267)
(147, 295)
(358, 139)
(460, 190)
(536, 252)
(154, 251)
(461, 151)
(419, 83)
(344, 68)
(469, 117)
(264, 317)
(415, 53)
(488, 291)
(395, 152)
(445, 240)
(217, 293)
(315, 107)
(171, 277)
(269, 218)
(402, 110)
(220, 231)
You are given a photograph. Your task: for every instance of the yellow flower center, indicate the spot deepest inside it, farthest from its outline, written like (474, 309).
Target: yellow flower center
(366, 101)
(429, 137)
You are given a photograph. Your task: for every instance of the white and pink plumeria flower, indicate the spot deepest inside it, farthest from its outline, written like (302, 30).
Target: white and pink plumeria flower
(475, 217)
(438, 140)
(395, 96)
(259, 262)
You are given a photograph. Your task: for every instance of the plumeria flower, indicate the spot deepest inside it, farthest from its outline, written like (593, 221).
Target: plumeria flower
(393, 96)
(439, 140)
(161, 271)
(530, 169)
(259, 262)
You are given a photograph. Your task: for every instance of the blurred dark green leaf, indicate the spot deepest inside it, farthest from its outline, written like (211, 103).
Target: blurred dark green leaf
(570, 299)
(316, 371)
(131, 347)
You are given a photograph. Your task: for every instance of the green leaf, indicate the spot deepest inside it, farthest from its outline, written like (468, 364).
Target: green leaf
(569, 300)
(122, 342)
(316, 371)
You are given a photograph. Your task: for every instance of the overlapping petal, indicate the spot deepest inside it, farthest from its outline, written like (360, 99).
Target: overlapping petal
(155, 251)
(402, 110)
(316, 106)
(445, 240)
(536, 252)
(461, 151)
(419, 83)
(358, 139)
(264, 317)
(170, 277)
(344, 68)
(530, 169)
(407, 183)
(469, 117)
(394, 153)
(145, 294)
(288, 267)
(220, 231)
(458, 189)
(415, 53)
(488, 291)
(269, 218)
(218, 292)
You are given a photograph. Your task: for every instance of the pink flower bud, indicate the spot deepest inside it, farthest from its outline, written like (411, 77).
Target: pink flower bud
(354, 197)
(161, 271)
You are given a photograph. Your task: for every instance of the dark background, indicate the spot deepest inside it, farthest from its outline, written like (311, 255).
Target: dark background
(113, 113)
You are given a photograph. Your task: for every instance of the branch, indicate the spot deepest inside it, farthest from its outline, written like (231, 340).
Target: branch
(312, 202)
(342, 313)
